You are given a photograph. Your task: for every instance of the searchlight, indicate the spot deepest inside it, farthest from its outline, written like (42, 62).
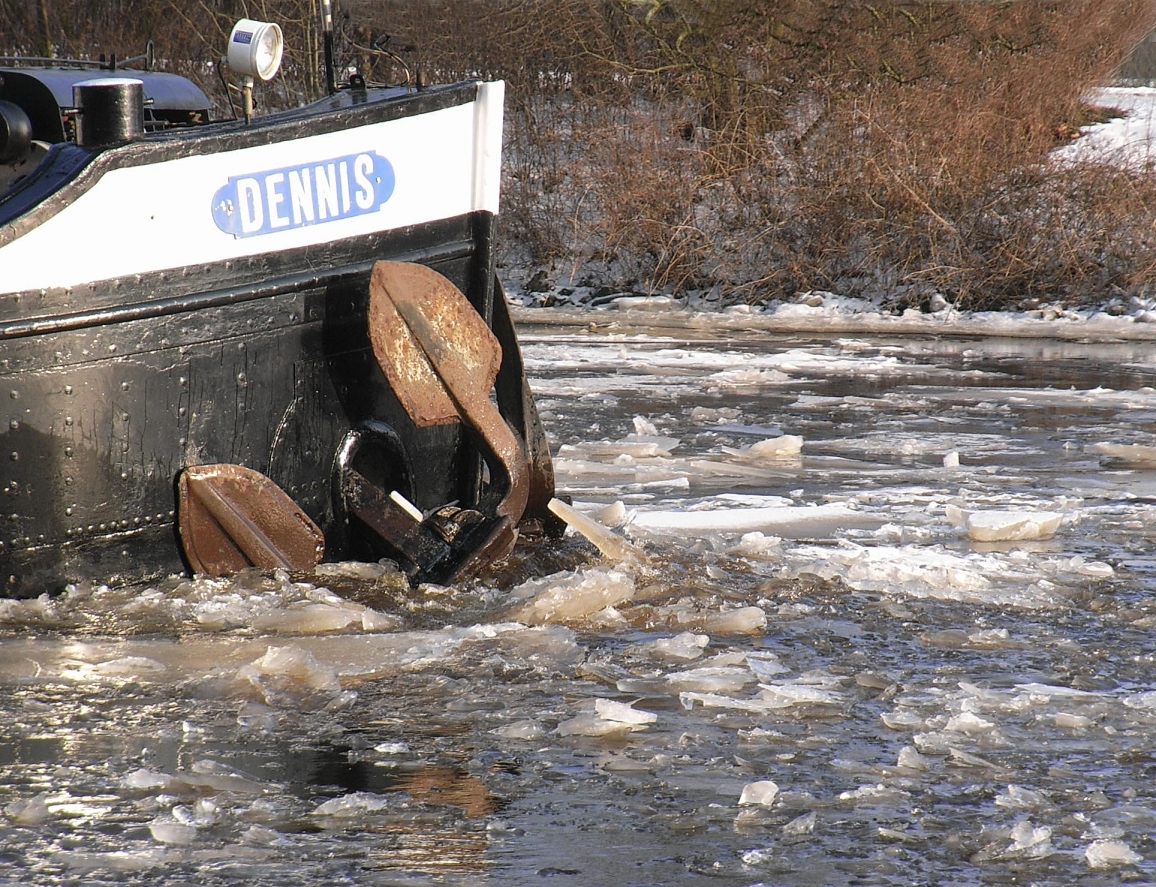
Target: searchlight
(255, 50)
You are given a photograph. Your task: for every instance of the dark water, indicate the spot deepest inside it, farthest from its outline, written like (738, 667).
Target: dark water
(931, 708)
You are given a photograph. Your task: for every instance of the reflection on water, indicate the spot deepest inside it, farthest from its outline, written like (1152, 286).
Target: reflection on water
(831, 668)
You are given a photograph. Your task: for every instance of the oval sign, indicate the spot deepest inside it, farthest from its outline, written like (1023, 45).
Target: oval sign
(307, 194)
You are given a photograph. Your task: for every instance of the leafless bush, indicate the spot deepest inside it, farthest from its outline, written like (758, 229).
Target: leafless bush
(890, 147)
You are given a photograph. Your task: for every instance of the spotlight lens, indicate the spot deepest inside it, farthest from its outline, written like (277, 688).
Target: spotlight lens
(255, 48)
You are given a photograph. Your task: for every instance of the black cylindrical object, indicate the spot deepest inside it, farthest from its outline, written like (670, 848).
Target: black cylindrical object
(15, 133)
(110, 110)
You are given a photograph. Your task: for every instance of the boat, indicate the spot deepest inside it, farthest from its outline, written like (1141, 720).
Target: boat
(261, 341)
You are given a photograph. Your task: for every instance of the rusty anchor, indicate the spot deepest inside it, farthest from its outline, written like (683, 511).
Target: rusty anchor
(230, 517)
(441, 360)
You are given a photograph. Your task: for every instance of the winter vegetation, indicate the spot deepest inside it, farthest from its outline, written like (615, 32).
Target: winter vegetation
(899, 151)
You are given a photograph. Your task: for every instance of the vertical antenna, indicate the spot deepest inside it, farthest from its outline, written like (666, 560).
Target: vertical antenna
(327, 41)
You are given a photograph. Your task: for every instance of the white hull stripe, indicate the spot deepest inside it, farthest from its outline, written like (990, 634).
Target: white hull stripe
(303, 192)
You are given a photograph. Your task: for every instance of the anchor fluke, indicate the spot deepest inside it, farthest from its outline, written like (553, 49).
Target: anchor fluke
(230, 517)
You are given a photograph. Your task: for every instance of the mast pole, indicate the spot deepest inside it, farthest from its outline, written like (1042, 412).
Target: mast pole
(327, 42)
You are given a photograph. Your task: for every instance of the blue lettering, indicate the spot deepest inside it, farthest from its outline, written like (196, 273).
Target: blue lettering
(311, 193)
(276, 197)
(249, 202)
(344, 167)
(301, 196)
(327, 191)
(362, 169)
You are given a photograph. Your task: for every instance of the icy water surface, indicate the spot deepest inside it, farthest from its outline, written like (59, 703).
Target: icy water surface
(892, 623)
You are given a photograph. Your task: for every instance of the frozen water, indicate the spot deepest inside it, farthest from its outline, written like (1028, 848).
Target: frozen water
(1008, 526)
(569, 597)
(762, 793)
(930, 705)
(1105, 854)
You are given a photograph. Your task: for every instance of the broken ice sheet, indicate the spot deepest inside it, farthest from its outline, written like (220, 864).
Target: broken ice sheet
(802, 697)
(1026, 841)
(772, 450)
(708, 679)
(1106, 854)
(605, 717)
(761, 793)
(684, 646)
(569, 596)
(1125, 455)
(789, 521)
(1005, 526)
(1012, 579)
(1016, 797)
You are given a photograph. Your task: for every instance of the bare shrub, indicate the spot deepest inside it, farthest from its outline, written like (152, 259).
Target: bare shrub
(891, 148)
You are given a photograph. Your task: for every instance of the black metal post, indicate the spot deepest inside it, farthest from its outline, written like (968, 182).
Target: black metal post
(327, 42)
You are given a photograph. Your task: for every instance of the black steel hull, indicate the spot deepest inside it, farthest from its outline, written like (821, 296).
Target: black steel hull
(261, 360)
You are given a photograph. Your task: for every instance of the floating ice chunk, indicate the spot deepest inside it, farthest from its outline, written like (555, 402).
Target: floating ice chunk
(951, 459)
(365, 572)
(308, 618)
(295, 663)
(1008, 526)
(903, 719)
(1018, 798)
(1040, 693)
(709, 415)
(129, 667)
(773, 449)
(391, 748)
(805, 521)
(528, 730)
(758, 545)
(684, 646)
(717, 700)
(1109, 854)
(784, 695)
(1095, 569)
(1127, 455)
(33, 811)
(760, 855)
(614, 515)
(146, 780)
(911, 759)
(740, 620)
(764, 664)
(353, 804)
(114, 861)
(645, 303)
(644, 426)
(262, 836)
(168, 830)
(1145, 700)
(710, 679)
(589, 724)
(747, 377)
(608, 718)
(969, 723)
(610, 710)
(801, 825)
(771, 698)
(762, 793)
(611, 546)
(1030, 841)
(1066, 721)
(878, 793)
(564, 597)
